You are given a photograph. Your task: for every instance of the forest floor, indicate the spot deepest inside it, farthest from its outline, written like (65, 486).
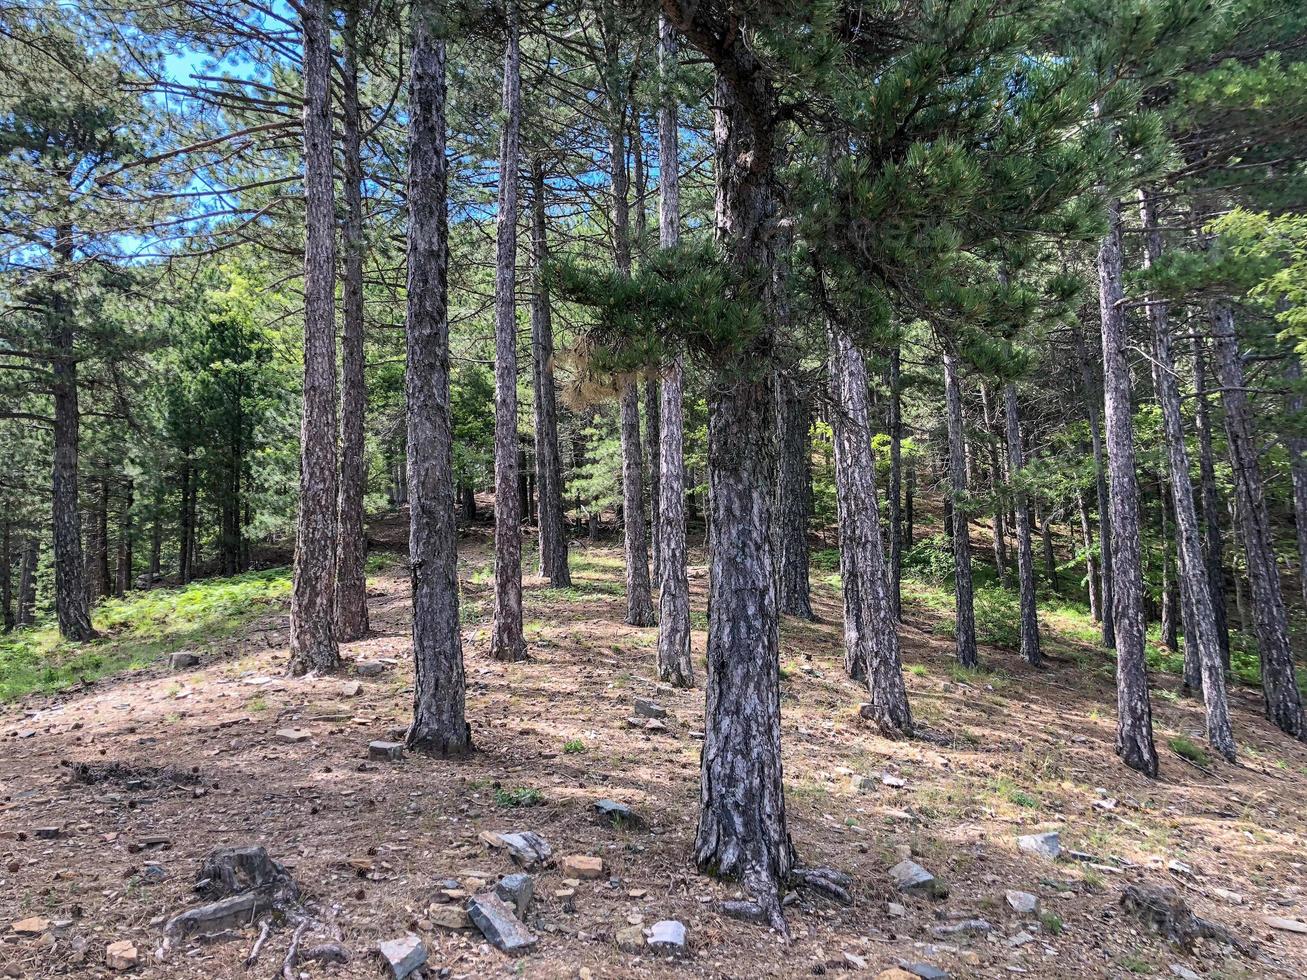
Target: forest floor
(1020, 751)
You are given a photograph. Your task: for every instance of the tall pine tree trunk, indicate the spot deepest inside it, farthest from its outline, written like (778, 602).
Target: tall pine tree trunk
(793, 494)
(352, 547)
(1283, 701)
(27, 582)
(97, 557)
(674, 663)
(1210, 506)
(964, 602)
(1297, 446)
(439, 724)
(652, 435)
(549, 467)
(312, 607)
(507, 641)
(184, 518)
(1091, 566)
(1025, 547)
(896, 482)
(123, 569)
(996, 487)
(1106, 605)
(1134, 732)
(6, 571)
(871, 642)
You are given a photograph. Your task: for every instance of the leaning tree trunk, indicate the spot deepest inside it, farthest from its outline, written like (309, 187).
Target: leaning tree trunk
(871, 642)
(549, 466)
(507, 641)
(793, 494)
(1025, 546)
(439, 725)
(1134, 732)
(1283, 701)
(27, 583)
(957, 467)
(1210, 506)
(1100, 486)
(352, 546)
(895, 482)
(674, 663)
(312, 607)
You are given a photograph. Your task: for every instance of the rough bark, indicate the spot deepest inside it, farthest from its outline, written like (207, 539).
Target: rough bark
(675, 665)
(27, 583)
(964, 602)
(549, 467)
(896, 483)
(312, 608)
(439, 724)
(1283, 701)
(1025, 548)
(793, 495)
(1210, 506)
(352, 547)
(1100, 487)
(1134, 734)
(507, 641)
(871, 643)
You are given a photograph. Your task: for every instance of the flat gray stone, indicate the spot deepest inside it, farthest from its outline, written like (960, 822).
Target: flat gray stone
(1183, 972)
(385, 751)
(667, 937)
(403, 956)
(183, 659)
(926, 971)
(614, 812)
(971, 927)
(502, 929)
(527, 849)
(649, 709)
(369, 668)
(909, 876)
(216, 917)
(1023, 903)
(517, 890)
(1047, 845)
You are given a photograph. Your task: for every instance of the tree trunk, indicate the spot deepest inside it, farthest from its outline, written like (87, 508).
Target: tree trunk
(1170, 599)
(871, 643)
(1046, 537)
(156, 534)
(1297, 446)
(996, 487)
(652, 410)
(6, 572)
(1283, 701)
(1091, 566)
(895, 483)
(352, 547)
(793, 494)
(506, 639)
(1025, 549)
(439, 724)
(123, 571)
(1134, 733)
(675, 665)
(909, 486)
(27, 583)
(184, 520)
(312, 608)
(549, 467)
(1210, 506)
(957, 468)
(1105, 571)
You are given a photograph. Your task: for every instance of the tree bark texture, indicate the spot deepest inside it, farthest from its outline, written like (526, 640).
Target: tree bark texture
(1283, 701)
(352, 546)
(549, 466)
(964, 602)
(1134, 733)
(507, 641)
(312, 609)
(439, 724)
(871, 642)
(1030, 649)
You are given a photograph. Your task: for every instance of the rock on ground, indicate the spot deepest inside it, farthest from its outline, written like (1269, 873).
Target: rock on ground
(403, 956)
(502, 929)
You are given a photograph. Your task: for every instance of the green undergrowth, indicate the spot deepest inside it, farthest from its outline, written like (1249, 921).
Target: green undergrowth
(136, 630)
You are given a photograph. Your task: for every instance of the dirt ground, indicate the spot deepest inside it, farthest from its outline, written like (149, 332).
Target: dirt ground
(1020, 751)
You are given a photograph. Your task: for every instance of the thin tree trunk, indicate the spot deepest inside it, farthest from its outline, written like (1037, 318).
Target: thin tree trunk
(652, 412)
(6, 571)
(506, 640)
(1100, 486)
(675, 665)
(1283, 701)
(1210, 506)
(312, 608)
(184, 519)
(549, 467)
(964, 599)
(352, 546)
(1025, 550)
(896, 483)
(123, 571)
(1091, 566)
(793, 494)
(1046, 537)
(27, 583)
(1134, 738)
(909, 487)
(156, 534)
(439, 723)
(1170, 611)
(871, 643)
(1297, 446)
(996, 487)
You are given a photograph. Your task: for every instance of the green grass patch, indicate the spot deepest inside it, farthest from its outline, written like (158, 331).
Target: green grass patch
(521, 796)
(137, 630)
(573, 746)
(1189, 749)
